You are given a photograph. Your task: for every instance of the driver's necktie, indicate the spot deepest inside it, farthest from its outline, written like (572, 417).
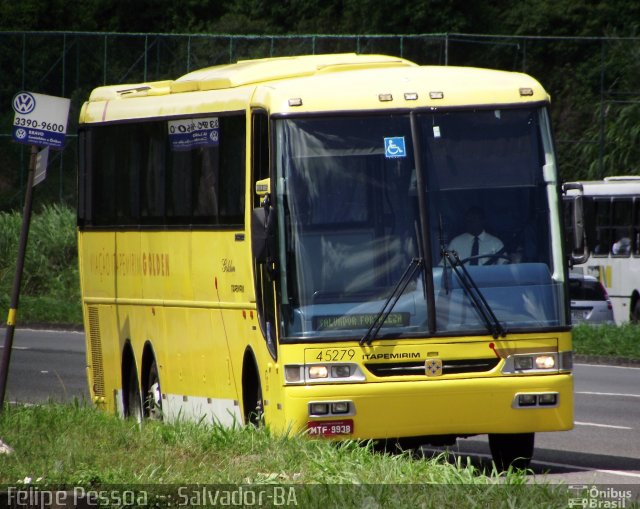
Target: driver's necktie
(474, 250)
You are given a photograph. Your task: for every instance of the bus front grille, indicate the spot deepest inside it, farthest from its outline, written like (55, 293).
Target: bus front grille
(449, 367)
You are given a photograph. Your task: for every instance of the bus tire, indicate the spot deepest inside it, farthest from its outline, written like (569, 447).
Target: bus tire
(635, 312)
(256, 416)
(252, 401)
(153, 394)
(511, 449)
(133, 403)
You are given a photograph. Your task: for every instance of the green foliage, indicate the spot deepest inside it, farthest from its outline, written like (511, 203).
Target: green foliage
(537, 17)
(50, 282)
(580, 74)
(618, 127)
(607, 341)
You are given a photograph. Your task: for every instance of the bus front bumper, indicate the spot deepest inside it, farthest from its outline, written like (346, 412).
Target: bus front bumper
(424, 408)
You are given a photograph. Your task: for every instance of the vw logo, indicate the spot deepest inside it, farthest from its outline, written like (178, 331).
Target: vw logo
(24, 103)
(21, 134)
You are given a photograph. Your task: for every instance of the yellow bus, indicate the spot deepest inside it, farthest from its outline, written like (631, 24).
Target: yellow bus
(281, 241)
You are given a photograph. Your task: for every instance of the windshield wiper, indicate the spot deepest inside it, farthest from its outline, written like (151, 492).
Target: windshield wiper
(470, 287)
(398, 290)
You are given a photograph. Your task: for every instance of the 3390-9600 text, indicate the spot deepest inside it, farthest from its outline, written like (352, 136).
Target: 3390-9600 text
(37, 124)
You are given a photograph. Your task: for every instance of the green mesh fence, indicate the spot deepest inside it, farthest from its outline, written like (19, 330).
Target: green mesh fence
(593, 83)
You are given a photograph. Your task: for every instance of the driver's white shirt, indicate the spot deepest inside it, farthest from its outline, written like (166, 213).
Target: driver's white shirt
(487, 244)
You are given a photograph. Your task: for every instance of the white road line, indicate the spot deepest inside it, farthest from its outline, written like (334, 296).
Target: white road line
(63, 331)
(16, 347)
(622, 394)
(549, 463)
(618, 472)
(605, 366)
(600, 425)
(576, 467)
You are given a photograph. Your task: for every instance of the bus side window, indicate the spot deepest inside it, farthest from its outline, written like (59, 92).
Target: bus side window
(636, 227)
(621, 219)
(603, 238)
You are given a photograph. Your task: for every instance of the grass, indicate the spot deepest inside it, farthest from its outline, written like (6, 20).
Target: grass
(50, 291)
(68, 446)
(607, 341)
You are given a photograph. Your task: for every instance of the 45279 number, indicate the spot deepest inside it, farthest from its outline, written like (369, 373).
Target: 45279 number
(335, 355)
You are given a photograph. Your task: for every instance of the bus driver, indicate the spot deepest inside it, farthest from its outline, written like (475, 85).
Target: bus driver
(474, 245)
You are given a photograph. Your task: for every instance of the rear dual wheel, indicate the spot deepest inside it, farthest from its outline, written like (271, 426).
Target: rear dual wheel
(150, 407)
(153, 396)
(133, 402)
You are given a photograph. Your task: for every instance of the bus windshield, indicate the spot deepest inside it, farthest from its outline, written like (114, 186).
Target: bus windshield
(349, 194)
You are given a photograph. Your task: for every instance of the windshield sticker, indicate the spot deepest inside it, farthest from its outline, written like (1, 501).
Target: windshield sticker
(394, 147)
(188, 133)
(436, 131)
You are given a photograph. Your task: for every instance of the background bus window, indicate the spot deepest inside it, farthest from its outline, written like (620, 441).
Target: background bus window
(603, 235)
(621, 226)
(636, 228)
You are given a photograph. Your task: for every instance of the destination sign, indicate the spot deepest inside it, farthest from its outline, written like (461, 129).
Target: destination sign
(358, 321)
(187, 133)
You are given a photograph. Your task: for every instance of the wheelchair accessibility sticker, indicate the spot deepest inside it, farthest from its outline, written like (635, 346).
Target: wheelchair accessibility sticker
(394, 147)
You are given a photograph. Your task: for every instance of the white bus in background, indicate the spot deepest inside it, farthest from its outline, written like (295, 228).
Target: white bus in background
(612, 231)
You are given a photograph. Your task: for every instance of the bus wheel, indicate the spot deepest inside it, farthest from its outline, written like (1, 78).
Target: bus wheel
(513, 449)
(133, 407)
(635, 313)
(253, 404)
(153, 397)
(256, 412)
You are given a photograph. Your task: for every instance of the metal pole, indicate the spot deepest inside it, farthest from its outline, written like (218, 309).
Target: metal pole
(601, 140)
(446, 49)
(17, 279)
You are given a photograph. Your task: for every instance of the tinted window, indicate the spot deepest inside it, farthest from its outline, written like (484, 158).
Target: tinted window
(136, 174)
(580, 289)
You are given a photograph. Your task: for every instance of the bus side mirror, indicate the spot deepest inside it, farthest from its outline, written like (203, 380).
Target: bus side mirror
(574, 197)
(259, 234)
(263, 229)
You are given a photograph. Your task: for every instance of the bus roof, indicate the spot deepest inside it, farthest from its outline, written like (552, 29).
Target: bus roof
(610, 186)
(313, 83)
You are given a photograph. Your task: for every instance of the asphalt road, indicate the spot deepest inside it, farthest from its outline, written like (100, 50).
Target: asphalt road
(603, 448)
(46, 365)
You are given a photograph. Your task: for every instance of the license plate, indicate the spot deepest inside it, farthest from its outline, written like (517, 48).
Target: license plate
(330, 428)
(579, 314)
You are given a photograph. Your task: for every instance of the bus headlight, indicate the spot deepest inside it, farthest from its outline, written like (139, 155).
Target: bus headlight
(523, 362)
(545, 361)
(532, 363)
(294, 374)
(341, 371)
(318, 372)
(338, 372)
